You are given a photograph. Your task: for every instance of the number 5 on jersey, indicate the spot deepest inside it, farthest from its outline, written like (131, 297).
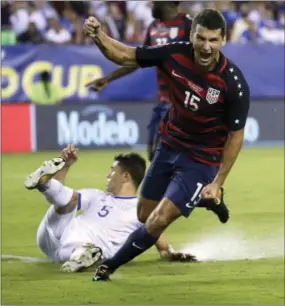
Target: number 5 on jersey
(104, 211)
(191, 101)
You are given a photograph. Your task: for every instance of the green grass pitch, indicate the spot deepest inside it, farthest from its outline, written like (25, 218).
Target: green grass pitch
(235, 274)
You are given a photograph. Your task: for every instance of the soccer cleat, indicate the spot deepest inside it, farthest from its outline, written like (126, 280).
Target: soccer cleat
(219, 207)
(43, 174)
(102, 273)
(82, 257)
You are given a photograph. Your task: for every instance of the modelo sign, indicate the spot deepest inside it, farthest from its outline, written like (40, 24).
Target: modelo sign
(125, 124)
(92, 126)
(99, 126)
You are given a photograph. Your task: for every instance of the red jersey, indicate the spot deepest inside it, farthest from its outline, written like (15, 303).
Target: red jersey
(205, 107)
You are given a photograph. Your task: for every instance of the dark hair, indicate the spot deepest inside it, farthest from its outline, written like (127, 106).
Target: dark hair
(176, 2)
(211, 19)
(134, 164)
(45, 77)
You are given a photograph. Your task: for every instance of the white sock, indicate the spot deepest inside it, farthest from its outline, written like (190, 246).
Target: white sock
(57, 194)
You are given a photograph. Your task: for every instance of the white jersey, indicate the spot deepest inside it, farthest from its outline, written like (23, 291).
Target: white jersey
(106, 221)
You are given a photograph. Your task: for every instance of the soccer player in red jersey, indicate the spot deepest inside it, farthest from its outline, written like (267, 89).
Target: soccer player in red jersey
(201, 136)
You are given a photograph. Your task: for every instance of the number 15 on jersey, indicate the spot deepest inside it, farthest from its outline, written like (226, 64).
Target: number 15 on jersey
(191, 101)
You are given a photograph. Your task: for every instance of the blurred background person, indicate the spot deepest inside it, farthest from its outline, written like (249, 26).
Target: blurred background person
(32, 35)
(37, 17)
(129, 20)
(72, 22)
(251, 34)
(19, 18)
(57, 34)
(271, 33)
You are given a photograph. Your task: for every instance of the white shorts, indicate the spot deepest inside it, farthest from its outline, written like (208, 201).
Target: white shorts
(48, 243)
(58, 235)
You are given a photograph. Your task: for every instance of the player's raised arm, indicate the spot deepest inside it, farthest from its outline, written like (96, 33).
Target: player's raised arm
(113, 50)
(50, 178)
(122, 54)
(101, 83)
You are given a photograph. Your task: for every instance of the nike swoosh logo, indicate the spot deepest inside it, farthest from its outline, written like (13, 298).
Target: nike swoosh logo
(189, 205)
(177, 75)
(136, 246)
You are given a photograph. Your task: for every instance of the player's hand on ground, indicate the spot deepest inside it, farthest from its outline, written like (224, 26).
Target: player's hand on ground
(182, 257)
(70, 155)
(212, 192)
(171, 255)
(91, 27)
(97, 84)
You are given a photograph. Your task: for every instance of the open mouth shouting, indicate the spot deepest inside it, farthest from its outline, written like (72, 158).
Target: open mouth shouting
(205, 57)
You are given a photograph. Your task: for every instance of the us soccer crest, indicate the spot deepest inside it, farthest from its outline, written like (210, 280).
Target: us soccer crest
(173, 33)
(212, 95)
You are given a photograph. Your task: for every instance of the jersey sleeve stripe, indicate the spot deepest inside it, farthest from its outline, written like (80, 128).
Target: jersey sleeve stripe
(79, 201)
(224, 66)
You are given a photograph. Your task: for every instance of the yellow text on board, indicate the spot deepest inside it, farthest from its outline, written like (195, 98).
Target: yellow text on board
(77, 77)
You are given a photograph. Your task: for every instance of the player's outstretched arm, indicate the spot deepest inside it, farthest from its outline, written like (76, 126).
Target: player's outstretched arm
(99, 84)
(113, 50)
(65, 199)
(120, 72)
(70, 155)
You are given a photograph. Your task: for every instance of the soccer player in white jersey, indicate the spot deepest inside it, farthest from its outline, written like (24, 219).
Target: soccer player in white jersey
(107, 220)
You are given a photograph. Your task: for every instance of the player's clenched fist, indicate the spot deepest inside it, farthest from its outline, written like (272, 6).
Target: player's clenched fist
(212, 192)
(91, 27)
